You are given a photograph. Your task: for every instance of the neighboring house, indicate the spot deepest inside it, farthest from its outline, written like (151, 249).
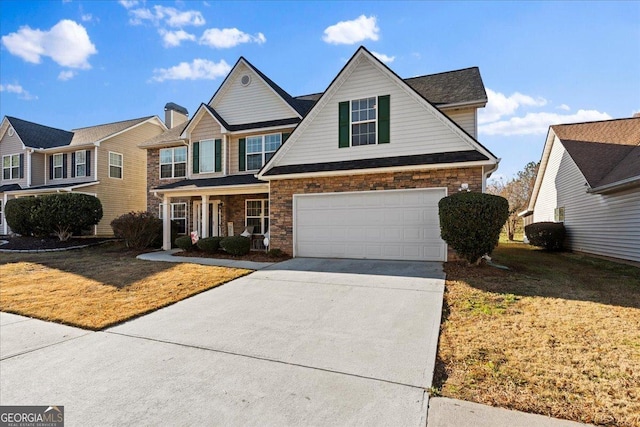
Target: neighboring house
(589, 178)
(356, 171)
(102, 160)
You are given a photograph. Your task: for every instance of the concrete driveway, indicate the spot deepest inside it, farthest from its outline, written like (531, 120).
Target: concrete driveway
(304, 342)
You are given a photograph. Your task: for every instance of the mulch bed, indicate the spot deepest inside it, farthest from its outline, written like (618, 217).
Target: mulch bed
(255, 256)
(36, 243)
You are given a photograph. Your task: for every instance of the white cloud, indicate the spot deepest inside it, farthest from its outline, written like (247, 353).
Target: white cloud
(168, 16)
(128, 4)
(66, 75)
(351, 32)
(87, 17)
(384, 58)
(17, 89)
(67, 43)
(538, 123)
(564, 107)
(198, 69)
(174, 38)
(229, 37)
(499, 105)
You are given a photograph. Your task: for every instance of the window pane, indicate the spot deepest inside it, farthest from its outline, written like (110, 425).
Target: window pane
(271, 142)
(254, 207)
(257, 228)
(57, 160)
(180, 170)
(80, 156)
(207, 156)
(254, 144)
(115, 172)
(179, 210)
(165, 171)
(254, 161)
(268, 156)
(115, 159)
(6, 161)
(80, 170)
(180, 154)
(165, 156)
(6, 173)
(266, 207)
(15, 160)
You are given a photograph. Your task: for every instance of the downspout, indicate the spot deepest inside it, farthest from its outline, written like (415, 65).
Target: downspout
(486, 174)
(28, 168)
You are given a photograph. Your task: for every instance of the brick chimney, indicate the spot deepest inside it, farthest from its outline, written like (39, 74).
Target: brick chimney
(174, 115)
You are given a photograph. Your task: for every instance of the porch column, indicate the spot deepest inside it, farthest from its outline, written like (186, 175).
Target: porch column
(205, 216)
(166, 223)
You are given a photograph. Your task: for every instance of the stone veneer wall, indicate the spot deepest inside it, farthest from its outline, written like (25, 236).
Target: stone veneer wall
(153, 180)
(282, 191)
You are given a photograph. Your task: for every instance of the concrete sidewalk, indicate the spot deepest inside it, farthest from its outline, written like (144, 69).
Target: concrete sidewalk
(167, 256)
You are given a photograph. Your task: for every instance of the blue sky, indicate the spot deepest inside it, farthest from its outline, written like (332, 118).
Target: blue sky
(71, 63)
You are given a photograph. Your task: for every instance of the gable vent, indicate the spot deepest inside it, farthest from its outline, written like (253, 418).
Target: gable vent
(10, 131)
(245, 80)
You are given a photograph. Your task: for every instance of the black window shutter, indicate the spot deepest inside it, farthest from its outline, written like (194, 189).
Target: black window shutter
(383, 119)
(343, 124)
(196, 157)
(218, 154)
(87, 168)
(242, 155)
(21, 165)
(73, 165)
(64, 165)
(51, 167)
(285, 136)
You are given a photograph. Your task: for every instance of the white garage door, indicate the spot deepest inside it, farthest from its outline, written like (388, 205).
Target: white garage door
(391, 224)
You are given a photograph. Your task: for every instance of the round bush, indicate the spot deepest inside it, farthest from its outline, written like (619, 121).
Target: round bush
(548, 235)
(236, 245)
(471, 222)
(184, 242)
(65, 213)
(139, 230)
(19, 214)
(209, 244)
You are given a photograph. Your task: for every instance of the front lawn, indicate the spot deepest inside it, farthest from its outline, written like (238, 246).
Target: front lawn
(558, 334)
(100, 286)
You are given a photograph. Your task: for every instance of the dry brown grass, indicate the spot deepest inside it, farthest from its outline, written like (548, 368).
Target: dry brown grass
(98, 287)
(558, 334)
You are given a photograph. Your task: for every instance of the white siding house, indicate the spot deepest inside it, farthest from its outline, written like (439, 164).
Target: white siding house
(601, 215)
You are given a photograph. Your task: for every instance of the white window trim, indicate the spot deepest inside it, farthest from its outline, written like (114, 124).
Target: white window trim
(172, 213)
(263, 152)
(262, 216)
(173, 163)
(351, 123)
(121, 166)
(84, 153)
(61, 166)
(10, 168)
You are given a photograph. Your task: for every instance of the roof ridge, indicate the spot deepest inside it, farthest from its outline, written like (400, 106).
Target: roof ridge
(441, 72)
(596, 121)
(37, 124)
(113, 123)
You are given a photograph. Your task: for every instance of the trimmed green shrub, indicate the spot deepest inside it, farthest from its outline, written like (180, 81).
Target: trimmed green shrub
(184, 242)
(63, 213)
(236, 245)
(471, 222)
(139, 230)
(275, 253)
(209, 244)
(548, 235)
(19, 214)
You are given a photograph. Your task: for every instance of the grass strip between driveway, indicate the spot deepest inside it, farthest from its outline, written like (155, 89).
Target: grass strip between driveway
(98, 287)
(558, 334)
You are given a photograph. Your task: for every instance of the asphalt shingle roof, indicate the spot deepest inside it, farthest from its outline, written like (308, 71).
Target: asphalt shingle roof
(213, 182)
(606, 151)
(168, 136)
(35, 135)
(451, 87)
(99, 132)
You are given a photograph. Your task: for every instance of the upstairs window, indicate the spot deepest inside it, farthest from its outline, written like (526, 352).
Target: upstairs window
(81, 163)
(115, 165)
(364, 121)
(173, 162)
(259, 149)
(11, 168)
(58, 166)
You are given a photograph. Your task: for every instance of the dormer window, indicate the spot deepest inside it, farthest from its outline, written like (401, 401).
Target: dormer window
(58, 166)
(364, 121)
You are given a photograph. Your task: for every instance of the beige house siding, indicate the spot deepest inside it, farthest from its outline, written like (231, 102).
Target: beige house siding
(37, 169)
(256, 102)
(119, 196)
(12, 145)
(234, 166)
(414, 127)
(465, 118)
(207, 128)
(69, 165)
(282, 191)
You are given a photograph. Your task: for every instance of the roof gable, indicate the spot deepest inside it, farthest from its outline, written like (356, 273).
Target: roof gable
(34, 135)
(417, 126)
(257, 99)
(98, 133)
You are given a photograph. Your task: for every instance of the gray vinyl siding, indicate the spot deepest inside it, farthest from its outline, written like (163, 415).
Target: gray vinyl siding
(37, 169)
(256, 102)
(12, 145)
(206, 128)
(602, 224)
(414, 128)
(70, 166)
(465, 118)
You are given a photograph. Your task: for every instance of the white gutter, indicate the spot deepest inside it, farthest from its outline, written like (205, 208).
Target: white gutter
(485, 175)
(629, 182)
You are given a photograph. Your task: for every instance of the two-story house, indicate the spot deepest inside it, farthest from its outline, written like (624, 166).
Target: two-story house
(355, 171)
(102, 160)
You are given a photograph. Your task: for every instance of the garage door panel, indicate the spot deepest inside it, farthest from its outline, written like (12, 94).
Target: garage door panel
(374, 224)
